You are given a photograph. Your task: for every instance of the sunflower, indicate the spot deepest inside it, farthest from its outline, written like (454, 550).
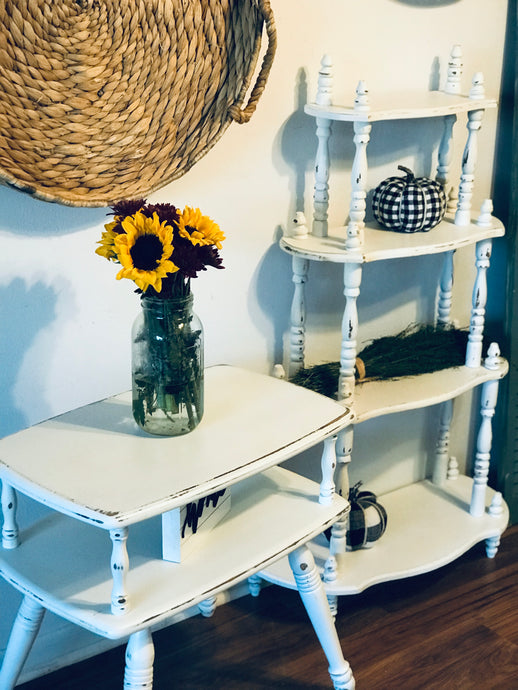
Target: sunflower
(144, 250)
(199, 229)
(107, 242)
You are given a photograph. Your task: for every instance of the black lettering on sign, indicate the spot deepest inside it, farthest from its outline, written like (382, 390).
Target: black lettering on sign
(194, 510)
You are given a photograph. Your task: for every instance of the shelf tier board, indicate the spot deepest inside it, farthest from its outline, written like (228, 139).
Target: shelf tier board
(376, 398)
(272, 513)
(427, 527)
(402, 106)
(251, 422)
(380, 244)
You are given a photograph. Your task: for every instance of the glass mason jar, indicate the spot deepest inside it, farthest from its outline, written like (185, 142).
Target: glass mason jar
(167, 366)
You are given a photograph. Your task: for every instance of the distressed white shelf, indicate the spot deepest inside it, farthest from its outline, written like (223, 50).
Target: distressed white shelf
(405, 105)
(428, 527)
(270, 513)
(379, 244)
(96, 557)
(377, 398)
(432, 522)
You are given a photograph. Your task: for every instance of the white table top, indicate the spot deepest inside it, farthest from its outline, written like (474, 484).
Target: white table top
(96, 465)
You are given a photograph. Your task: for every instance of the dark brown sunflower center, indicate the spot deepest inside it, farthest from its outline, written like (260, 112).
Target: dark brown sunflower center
(146, 252)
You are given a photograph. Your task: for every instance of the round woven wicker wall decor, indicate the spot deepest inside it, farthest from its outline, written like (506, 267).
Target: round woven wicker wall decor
(108, 100)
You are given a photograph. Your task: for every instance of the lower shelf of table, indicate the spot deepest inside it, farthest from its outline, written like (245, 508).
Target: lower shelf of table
(427, 528)
(66, 563)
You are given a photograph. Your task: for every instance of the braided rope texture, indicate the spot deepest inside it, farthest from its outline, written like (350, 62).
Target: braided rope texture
(109, 100)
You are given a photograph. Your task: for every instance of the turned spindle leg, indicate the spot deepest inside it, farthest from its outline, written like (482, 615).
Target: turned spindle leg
(445, 154)
(313, 596)
(120, 567)
(463, 214)
(338, 540)
(207, 607)
(441, 463)
(327, 485)
(352, 282)
(478, 310)
(495, 510)
(321, 189)
(297, 343)
(140, 655)
(23, 634)
(10, 532)
(488, 398)
(359, 171)
(445, 291)
(254, 585)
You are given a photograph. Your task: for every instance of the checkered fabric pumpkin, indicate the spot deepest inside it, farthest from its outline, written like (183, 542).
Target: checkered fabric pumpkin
(367, 519)
(409, 204)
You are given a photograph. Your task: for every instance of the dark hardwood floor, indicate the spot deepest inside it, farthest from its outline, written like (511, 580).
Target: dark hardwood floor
(455, 628)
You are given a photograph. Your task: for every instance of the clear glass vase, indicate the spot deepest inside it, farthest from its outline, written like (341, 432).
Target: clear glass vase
(167, 366)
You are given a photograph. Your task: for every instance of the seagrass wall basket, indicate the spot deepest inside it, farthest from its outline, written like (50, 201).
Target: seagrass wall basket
(103, 100)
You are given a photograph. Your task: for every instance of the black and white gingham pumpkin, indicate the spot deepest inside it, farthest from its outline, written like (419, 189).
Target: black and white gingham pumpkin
(367, 519)
(409, 204)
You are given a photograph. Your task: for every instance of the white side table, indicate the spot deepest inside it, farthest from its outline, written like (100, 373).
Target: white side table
(100, 474)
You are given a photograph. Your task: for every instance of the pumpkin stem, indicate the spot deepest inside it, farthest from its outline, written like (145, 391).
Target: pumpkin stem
(408, 172)
(354, 491)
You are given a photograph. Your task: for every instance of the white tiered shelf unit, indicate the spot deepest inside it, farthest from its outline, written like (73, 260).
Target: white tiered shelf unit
(433, 521)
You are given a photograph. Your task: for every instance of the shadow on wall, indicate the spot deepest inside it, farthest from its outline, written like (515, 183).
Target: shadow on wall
(272, 291)
(25, 216)
(23, 312)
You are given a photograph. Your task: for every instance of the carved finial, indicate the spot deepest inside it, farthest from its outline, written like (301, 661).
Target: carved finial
(477, 87)
(453, 469)
(454, 71)
(325, 82)
(299, 228)
(492, 360)
(278, 371)
(496, 508)
(484, 220)
(361, 102)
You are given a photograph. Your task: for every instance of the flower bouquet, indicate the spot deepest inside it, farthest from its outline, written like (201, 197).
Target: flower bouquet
(161, 249)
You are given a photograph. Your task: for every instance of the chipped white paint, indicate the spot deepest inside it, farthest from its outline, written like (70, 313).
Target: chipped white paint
(298, 315)
(447, 504)
(10, 531)
(275, 512)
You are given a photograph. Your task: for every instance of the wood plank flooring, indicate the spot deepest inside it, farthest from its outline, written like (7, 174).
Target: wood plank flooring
(452, 629)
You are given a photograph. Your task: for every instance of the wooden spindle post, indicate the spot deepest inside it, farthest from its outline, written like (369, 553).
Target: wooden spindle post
(313, 597)
(10, 531)
(445, 153)
(207, 606)
(300, 269)
(488, 398)
(352, 282)
(495, 510)
(454, 76)
(21, 639)
(463, 214)
(445, 290)
(254, 585)
(327, 485)
(338, 540)
(442, 448)
(321, 189)
(453, 86)
(478, 310)
(120, 567)
(359, 171)
(140, 655)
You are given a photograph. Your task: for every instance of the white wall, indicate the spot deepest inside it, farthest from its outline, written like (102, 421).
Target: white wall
(66, 321)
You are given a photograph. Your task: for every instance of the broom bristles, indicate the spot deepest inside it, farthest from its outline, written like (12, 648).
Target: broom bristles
(416, 350)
